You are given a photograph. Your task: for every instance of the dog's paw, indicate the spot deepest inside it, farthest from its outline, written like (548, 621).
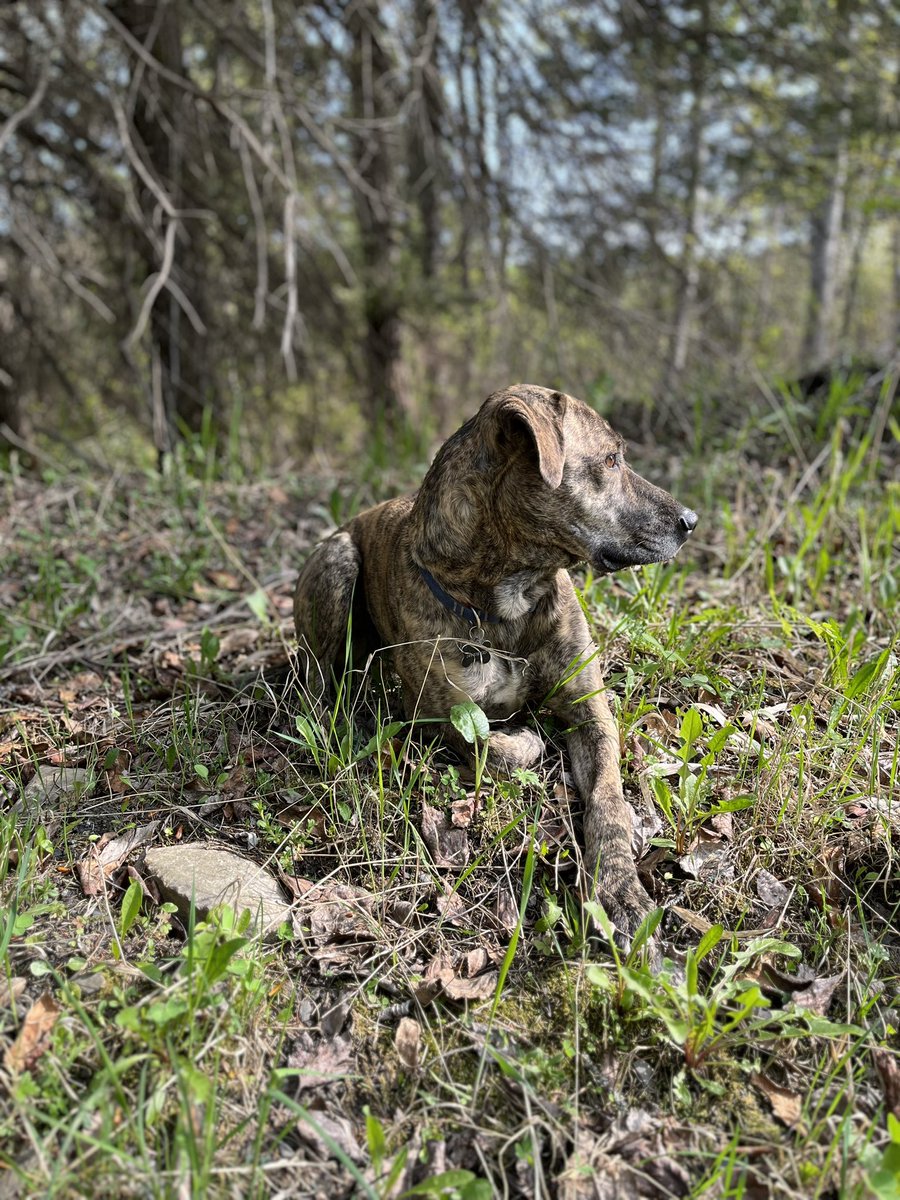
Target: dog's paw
(627, 907)
(515, 747)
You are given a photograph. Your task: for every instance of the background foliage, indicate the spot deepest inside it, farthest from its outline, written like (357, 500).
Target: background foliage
(285, 215)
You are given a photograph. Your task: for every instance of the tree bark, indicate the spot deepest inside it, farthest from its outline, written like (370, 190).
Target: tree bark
(181, 375)
(426, 163)
(824, 262)
(375, 202)
(689, 281)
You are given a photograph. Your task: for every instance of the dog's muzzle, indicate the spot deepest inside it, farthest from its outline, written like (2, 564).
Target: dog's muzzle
(609, 557)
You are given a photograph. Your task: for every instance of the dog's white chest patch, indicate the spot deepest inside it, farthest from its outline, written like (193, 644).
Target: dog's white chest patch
(498, 686)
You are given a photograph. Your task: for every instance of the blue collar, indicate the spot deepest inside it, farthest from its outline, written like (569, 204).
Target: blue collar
(474, 616)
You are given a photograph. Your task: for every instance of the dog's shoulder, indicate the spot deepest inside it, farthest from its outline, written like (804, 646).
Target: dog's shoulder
(378, 530)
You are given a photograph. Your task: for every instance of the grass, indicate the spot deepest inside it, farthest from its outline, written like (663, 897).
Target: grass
(437, 1019)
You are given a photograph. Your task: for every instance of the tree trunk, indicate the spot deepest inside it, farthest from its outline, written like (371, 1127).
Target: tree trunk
(181, 377)
(689, 281)
(895, 254)
(426, 166)
(375, 203)
(824, 261)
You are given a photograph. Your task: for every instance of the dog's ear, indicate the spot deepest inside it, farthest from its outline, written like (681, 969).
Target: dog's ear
(537, 414)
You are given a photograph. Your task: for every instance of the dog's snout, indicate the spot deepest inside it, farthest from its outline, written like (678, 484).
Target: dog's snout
(687, 521)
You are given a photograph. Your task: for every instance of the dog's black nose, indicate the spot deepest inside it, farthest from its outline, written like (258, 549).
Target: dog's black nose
(688, 520)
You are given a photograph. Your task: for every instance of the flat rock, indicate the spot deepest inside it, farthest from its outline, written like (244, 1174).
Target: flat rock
(212, 877)
(50, 784)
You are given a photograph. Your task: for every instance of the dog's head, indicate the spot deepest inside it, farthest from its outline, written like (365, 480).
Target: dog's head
(564, 467)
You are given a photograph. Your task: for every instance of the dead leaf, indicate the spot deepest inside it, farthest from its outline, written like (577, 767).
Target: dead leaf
(448, 845)
(322, 1133)
(805, 989)
(452, 907)
(786, 1105)
(721, 824)
(708, 859)
(660, 724)
(636, 1159)
(226, 580)
(310, 817)
(320, 1061)
(462, 811)
(816, 996)
(340, 912)
(889, 1074)
(506, 911)
(407, 1041)
(11, 990)
(108, 855)
(476, 961)
(238, 641)
(34, 1036)
(771, 891)
(50, 784)
(646, 824)
(479, 988)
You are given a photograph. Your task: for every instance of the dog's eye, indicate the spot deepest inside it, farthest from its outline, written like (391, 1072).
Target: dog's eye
(612, 460)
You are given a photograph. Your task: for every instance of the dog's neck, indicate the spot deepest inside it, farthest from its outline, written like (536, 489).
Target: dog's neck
(473, 559)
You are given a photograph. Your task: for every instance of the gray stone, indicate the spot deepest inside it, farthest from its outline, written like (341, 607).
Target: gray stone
(212, 877)
(50, 784)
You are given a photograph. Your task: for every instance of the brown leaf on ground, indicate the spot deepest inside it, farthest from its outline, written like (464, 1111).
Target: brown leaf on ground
(771, 891)
(238, 641)
(476, 961)
(444, 978)
(816, 996)
(34, 1036)
(310, 817)
(708, 859)
(437, 973)
(645, 825)
(462, 811)
(506, 911)
(479, 988)
(11, 990)
(319, 1061)
(889, 1073)
(336, 911)
(322, 1133)
(805, 989)
(722, 824)
(108, 855)
(341, 912)
(452, 907)
(787, 1106)
(448, 845)
(407, 1041)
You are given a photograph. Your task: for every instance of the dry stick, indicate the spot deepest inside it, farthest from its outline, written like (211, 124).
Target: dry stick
(159, 282)
(259, 222)
(136, 161)
(12, 123)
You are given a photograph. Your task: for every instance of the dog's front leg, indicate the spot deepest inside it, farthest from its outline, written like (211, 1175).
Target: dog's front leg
(593, 742)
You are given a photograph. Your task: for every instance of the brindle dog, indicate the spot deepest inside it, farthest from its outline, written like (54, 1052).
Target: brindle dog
(466, 584)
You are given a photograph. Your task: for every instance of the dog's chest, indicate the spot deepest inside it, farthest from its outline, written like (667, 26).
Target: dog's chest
(499, 685)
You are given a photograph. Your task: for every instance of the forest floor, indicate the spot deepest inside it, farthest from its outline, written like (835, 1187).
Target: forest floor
(435, 1016)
